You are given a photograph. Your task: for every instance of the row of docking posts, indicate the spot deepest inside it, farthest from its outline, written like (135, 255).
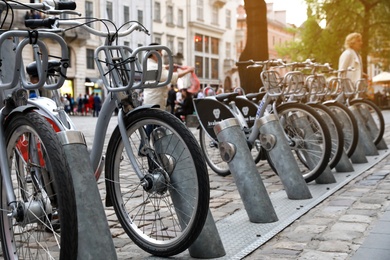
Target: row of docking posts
(249, 184)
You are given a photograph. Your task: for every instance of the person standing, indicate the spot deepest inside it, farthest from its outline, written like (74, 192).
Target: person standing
(171, 99)
(97, 102)
(186, 106)
(158, 96)
(351, 58)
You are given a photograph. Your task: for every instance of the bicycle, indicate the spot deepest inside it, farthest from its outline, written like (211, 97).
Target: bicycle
(349, 94)
(37, 198)
(311, 92)
(156, 177)
(311, 163)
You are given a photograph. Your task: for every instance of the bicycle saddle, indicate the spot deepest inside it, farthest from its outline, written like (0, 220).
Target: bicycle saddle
(53, 65)
(226, 97)
(255, 97)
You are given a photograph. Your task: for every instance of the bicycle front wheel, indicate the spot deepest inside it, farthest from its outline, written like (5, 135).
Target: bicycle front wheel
(349, 125)
(160, 188)
(308, 137)
(335, 130)
(45, 226)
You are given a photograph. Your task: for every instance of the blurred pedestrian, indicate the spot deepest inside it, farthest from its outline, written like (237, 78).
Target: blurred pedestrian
(351, 58)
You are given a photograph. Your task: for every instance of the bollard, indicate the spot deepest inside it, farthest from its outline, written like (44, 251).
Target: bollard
(358, 155)
(382, 145)
(364, 135)
(345, 164)
(371, 126)
(234, 150)
(94, 236)
(283, 159)
(208, 244)
(326, 176)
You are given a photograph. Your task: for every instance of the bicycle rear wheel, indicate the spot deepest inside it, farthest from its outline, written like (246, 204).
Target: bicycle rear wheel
(372, 117)
(308, 136)
(160, 191)
(45, 226)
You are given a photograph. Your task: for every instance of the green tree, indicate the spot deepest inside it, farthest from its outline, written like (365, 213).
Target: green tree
(371, 18)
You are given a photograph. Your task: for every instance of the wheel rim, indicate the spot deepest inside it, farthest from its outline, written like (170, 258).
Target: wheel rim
(306, 139)
(35, 232)
(159, 215)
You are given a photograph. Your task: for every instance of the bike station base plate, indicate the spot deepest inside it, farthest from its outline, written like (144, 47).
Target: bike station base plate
(240, 237)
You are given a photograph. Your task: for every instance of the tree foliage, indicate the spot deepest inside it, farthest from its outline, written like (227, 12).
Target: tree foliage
(371, 18)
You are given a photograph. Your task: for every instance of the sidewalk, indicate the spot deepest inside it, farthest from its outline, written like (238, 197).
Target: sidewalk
(334, 229)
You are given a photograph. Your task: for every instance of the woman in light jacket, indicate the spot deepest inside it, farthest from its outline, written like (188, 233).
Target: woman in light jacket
(351, 58)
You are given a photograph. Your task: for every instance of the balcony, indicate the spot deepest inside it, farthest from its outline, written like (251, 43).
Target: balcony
(218, 3)
(228, 64)
(76, 34)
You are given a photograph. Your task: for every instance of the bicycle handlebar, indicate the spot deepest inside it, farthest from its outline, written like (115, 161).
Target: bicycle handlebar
(18, 71)
(54, 7)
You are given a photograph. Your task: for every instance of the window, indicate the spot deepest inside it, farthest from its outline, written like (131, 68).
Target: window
(170, 43)
(199, 66)
(228, 19)
(140, 16)
(207, 44)
(214, 68)
(90, 59)
(157, 38)
(170, 15)
(89, 12)
(228, 50)
(198, 42)
(207, 68)
(126, 43)
(109, 10)
(214, 15)
(126, 14)
(199, 10)
(214, 46)
(180, 18)
(157, 11)
(180, 46)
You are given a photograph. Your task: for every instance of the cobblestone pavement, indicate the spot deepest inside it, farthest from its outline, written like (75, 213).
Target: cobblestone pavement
(334, 229)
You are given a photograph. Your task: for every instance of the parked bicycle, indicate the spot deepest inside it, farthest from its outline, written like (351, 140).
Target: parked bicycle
(155, 174)
(309, 141)
(37, 199)
(348, 93)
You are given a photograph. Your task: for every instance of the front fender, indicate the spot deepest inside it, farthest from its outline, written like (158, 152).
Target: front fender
(19, 109)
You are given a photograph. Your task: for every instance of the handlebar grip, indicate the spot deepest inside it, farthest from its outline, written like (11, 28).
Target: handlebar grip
(35, 23)
(65, 5)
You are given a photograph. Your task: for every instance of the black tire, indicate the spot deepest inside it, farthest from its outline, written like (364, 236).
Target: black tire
(42, 184)
(172, 171)
(335, 130)
(310, 141)
(372, 117)
(349, 126)
(212, 154)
